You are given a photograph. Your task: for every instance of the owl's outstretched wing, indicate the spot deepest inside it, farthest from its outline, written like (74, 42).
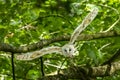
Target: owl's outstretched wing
(88, 19)
(39, 53)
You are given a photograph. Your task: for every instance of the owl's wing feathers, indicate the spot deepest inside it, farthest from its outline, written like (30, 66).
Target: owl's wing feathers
(39, 53)
(87, 20)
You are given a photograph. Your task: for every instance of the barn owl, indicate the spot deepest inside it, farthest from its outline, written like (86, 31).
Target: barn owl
(68, 49)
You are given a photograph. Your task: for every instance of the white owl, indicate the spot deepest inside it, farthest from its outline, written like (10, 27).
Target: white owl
(68, 49)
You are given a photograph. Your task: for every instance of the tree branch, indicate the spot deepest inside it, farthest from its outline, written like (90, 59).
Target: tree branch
(8, 48)
(84, 73)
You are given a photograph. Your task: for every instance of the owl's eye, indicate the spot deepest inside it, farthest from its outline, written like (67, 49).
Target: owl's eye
(69, 49)
(65, 50)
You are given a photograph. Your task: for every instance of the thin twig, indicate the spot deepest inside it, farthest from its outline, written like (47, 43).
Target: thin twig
(61, 65)
(116, 20)
(114, 57)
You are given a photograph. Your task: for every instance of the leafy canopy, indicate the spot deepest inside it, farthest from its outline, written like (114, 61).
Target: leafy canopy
(23, 22)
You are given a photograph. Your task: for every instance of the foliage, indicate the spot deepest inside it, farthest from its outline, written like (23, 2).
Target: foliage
(23, 22)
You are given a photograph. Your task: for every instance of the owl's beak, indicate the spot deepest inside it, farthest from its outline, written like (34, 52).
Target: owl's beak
(71, 56)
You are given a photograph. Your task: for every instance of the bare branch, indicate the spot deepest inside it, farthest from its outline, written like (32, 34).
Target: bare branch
(83, 37)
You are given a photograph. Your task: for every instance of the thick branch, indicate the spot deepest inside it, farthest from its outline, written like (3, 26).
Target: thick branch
(8, 48)
(84, 73)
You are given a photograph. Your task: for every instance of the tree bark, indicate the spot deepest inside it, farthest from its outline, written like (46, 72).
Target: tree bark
(42, 43)
(85, 73)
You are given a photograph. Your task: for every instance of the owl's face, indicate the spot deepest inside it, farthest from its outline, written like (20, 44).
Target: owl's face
(68, 50)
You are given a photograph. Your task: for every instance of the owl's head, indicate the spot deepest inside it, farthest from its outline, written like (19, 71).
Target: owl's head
(68, 50)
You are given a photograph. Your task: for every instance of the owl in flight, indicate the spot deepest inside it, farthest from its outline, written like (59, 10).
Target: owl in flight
(68, 49)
